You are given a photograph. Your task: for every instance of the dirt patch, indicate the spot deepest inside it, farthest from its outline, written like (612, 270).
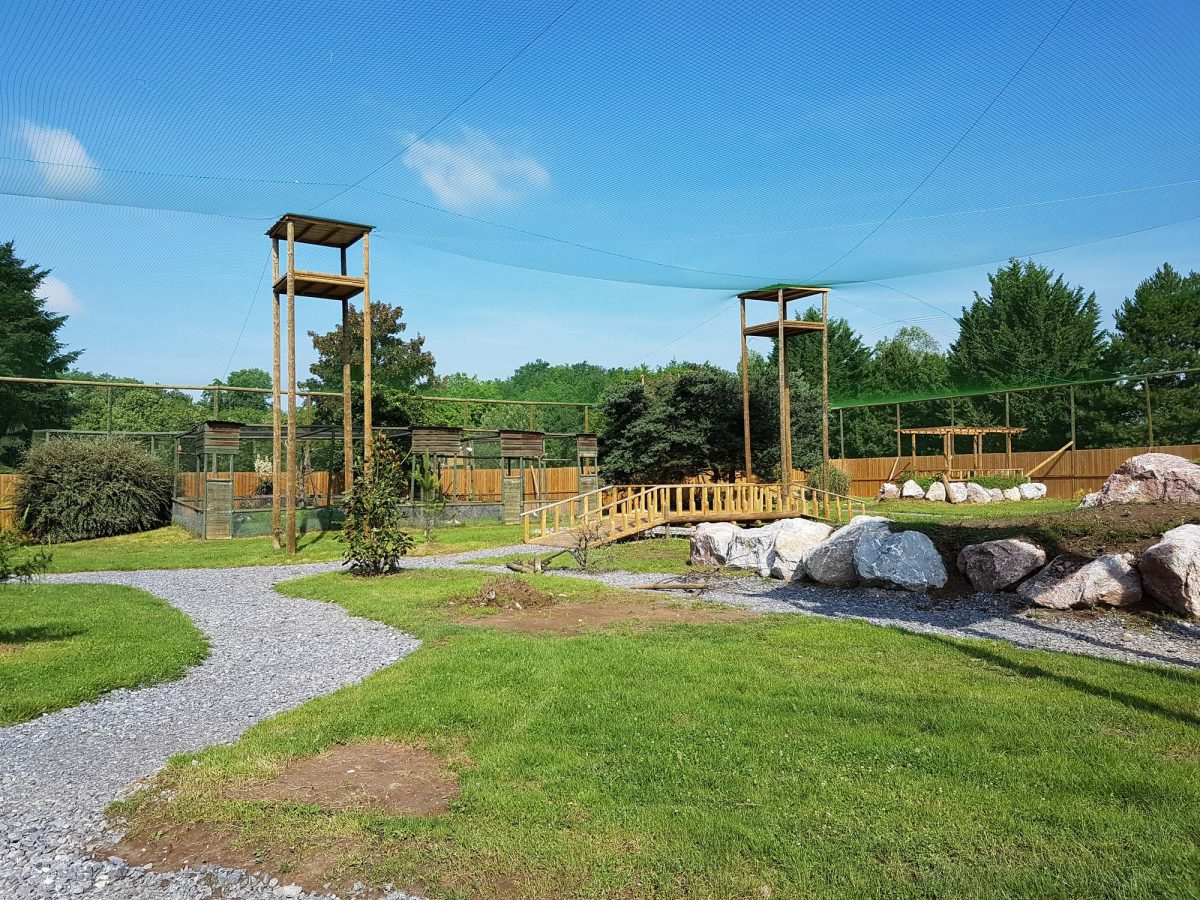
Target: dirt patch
(393, 778)
(1085, 533)
(8, 649)
(509, 593)
(568, 619)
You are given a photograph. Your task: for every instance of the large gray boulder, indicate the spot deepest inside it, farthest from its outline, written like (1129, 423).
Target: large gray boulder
(1032, 490)
(956, 492)
(1066, 583)
(998, 565)
(977, 493)
(906, 560)
(832, 561)
(1171, 570)
(1152, 478)
(749, 547)
(710, 543)
(793, 541)
(1012, 493)
(912, 491)
(936, 492)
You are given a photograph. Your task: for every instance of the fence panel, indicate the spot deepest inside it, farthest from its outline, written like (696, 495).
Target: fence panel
(8, 493)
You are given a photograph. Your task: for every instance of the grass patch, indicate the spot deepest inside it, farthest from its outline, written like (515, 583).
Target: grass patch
(667, 555)
(62, 644)
(927, 511)
(175, 548)
(780, 756)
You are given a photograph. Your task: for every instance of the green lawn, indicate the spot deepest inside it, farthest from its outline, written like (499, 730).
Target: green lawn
(62, 644)
(174, 548)
(785, 756)
(649, 555)
(924, 510)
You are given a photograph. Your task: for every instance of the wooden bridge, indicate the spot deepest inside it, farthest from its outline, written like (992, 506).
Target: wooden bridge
(619, 511)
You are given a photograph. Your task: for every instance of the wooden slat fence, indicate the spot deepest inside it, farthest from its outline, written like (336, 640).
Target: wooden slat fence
(8, 490)
(1079, 470)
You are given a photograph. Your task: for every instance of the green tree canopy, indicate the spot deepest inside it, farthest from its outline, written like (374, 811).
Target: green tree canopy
(29, 348)
(242, 407)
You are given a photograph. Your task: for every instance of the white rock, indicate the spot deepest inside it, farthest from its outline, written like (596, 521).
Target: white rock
(1012, 494)
(1108, 580)
(749, 547)
(937, 492)
(977, 494)
(888, 491)
(956, 492)
(1041, 490)
(912, 491)
(906, 560)
(995, 494)
(793, 541)
(1171, 570)
(1029, 491)
(710, 543)
(1090, 500)
(998, 565)
(832, 561)
(1152, 478)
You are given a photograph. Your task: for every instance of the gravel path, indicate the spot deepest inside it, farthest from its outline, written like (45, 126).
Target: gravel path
(59, 772)
(271, 653)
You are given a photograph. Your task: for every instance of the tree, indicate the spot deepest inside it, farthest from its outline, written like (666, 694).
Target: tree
(1157, 330)
(132, 409)
(238, 406)
(29, 348)
(683, 424)
(1032, 328)
(399, 366)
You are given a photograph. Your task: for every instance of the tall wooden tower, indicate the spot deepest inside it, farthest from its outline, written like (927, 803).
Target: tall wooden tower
(297, 229)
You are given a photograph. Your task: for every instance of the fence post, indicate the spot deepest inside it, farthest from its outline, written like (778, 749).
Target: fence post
(1071, 399)
(1149, 416)
(110, 406)
(898, 447)
(841, 434)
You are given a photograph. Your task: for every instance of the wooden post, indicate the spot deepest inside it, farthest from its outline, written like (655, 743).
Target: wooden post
(532, 411)
(291, 429)
(785, 423)
(1149, 415)
(216, 403)
(367, 351)
(586, 424)
(745, 392)
(276, 411)
(1071, 399)
(825, 387)
(841, 434)
(898, 452)
(1008, 437)
(347, 408)
(110, 409)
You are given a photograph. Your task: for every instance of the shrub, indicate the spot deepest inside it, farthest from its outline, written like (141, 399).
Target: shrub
(373, 529)
(16, 563)
(839, 479)
(75, 490)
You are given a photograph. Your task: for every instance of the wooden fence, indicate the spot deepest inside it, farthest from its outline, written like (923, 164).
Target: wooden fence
(8, 491)
(1075, 470)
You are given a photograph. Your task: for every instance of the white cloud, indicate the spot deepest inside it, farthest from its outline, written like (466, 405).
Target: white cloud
(59, 297)
(61, 157)
(475, 171)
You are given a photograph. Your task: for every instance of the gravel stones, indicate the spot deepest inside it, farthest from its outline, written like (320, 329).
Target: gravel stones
(59, 772)
(906, 560)
(1066, 583)
(1171, 570)
(998, 565)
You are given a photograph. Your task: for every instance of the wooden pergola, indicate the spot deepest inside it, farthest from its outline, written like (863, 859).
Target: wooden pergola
(975, 432)
(779, 330)
(341, 287)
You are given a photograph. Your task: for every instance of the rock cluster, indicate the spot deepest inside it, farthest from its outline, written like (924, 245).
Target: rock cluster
(960, 492)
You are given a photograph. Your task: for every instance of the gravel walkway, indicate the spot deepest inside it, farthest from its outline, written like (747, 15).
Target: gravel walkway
(271, 653)
(59, 772)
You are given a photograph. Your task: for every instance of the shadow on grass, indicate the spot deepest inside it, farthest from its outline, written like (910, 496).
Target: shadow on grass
(1028, 670)
(34, 634)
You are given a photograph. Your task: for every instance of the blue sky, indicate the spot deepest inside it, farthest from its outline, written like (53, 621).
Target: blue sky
(675, 152)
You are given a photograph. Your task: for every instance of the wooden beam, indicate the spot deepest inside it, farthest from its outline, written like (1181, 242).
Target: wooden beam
(276, 412)
(347, 409)
(290, 524)
(785, 424)
(367, 350)
(745, 391)
(825, 388)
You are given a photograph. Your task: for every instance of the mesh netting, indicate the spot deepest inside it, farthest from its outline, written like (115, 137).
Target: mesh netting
(695, 144)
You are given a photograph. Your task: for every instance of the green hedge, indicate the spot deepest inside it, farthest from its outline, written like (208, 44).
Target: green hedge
(1003, 482)
(76, 490)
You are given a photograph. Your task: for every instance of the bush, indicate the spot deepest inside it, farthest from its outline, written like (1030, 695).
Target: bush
(373, 530)
(17, 564)
(839, 479)
(1003, 482)
(75, 490)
